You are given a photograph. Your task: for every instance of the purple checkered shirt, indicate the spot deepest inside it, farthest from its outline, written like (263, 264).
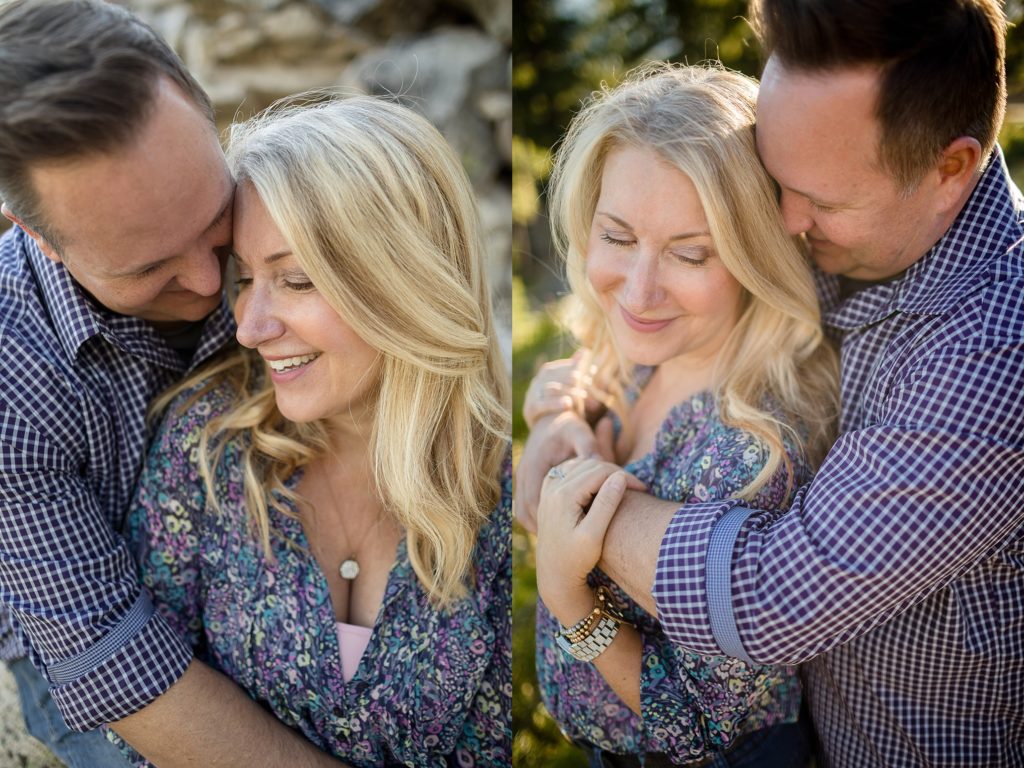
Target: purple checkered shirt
(76, 383)
(898, 574)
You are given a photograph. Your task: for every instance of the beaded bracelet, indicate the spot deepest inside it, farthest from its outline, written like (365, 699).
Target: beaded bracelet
(590, 636)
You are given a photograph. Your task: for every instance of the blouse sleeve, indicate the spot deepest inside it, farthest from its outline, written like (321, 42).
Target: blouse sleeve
(691, 703)
(166, 518)
(163, 527)
(486, 739)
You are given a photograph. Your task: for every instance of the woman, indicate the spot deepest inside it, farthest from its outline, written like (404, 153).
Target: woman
(325, 515)
(700, 329)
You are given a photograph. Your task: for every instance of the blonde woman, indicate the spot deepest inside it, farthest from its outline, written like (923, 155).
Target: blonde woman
(699, 324)
(325, 516)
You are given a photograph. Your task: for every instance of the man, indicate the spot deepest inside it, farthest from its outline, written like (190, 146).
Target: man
(109, 292)
(898, 574)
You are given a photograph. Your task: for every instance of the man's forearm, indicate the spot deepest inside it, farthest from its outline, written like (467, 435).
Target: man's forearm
(632, 543)
(204, 719)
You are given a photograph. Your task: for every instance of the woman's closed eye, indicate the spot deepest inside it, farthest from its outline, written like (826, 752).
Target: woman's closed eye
(298, 284)
(693, 255)
(619, 241)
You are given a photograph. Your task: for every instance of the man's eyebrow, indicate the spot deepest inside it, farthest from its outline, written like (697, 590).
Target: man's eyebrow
(813, 198)
(683, 236)
(222, 213)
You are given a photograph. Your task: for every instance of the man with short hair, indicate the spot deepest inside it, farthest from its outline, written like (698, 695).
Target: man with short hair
(897, 576)
(110, 291)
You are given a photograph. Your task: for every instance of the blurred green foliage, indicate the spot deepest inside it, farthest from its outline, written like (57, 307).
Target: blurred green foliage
(562, 51)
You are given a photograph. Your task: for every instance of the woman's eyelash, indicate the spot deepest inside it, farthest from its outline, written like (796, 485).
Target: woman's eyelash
(615, 241)
(699, 257)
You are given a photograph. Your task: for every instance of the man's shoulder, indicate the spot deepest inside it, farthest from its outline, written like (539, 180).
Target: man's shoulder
(20, 298)
(995, 308)
(31, 355)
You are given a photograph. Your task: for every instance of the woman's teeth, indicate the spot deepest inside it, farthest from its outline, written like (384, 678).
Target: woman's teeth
(280, 366)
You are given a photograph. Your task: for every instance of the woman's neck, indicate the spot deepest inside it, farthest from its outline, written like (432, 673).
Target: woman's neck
(673, 382)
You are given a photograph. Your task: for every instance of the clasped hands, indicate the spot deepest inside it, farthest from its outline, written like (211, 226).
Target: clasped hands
(567, 489)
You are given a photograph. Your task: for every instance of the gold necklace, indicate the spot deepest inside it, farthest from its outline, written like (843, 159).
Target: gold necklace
(349, 568)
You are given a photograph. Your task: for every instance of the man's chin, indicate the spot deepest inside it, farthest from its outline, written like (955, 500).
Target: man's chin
(829, 260)
(185, 312)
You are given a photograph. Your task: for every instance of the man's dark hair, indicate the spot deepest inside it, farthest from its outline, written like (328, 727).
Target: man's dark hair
(77, 77)
(941, 61)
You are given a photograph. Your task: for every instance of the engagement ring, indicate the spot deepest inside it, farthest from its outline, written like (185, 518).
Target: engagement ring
(556, 473)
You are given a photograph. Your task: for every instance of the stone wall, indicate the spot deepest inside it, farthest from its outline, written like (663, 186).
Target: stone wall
(450, 59)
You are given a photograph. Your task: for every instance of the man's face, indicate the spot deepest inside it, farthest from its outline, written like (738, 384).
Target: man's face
(818, 136)
(144, 229)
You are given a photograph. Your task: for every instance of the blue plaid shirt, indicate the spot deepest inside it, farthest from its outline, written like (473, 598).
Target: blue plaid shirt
(898, 574)
(76, 383)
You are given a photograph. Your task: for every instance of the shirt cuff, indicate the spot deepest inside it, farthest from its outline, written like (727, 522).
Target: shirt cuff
(681, 579)
(127, 669)
(721, 615)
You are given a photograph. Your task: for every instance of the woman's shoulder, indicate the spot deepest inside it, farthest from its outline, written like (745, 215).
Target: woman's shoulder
(193, 408)
(698, 456)
(494, 539)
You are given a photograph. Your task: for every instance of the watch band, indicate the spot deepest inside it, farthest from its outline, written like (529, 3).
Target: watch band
(590, 636)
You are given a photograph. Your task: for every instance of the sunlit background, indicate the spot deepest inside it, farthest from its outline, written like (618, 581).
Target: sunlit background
(562, 51)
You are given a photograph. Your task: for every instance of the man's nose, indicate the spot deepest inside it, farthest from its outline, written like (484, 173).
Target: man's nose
(796, 213)
(201, 273)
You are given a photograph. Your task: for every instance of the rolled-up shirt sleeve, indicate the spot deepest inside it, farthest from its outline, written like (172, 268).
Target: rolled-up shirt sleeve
(899, 509)
(71, 584)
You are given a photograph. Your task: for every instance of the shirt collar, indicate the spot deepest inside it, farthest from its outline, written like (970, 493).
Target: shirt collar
(78, 318)
(74, 315)
(986, 229)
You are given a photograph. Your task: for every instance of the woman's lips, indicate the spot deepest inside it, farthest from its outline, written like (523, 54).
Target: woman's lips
(641, 325)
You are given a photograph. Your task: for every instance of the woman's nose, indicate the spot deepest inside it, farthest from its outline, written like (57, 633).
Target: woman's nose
(258, 322)
(642, 284)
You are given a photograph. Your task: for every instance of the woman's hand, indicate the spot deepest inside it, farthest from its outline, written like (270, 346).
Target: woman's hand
(553, 439)
(578, 500)
(560, 386)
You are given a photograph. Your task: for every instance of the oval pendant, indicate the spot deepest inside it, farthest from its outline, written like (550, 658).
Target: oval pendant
(349, 569)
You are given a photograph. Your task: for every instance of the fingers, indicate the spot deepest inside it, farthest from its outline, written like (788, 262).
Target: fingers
(602, 509)
(524, 500)
(604, 439)
(556, 387)
(579, 481)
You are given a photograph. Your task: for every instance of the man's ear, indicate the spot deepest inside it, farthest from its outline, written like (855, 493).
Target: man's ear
(47, 249)
(957, 168)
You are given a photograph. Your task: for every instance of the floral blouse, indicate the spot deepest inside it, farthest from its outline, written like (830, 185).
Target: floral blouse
(692, 705)
(432, 689)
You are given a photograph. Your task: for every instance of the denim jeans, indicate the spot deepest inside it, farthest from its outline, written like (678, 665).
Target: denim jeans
(43, 720)
(780, 746)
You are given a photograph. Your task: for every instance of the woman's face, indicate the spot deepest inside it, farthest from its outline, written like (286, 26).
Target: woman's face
(319, 367)
(653, 265)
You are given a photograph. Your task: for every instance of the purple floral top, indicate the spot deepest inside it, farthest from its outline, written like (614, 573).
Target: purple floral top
(692, 705)
(432, 689)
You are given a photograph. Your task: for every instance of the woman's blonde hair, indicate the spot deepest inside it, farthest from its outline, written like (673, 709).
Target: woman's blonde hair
(776, 368)
(380, 214)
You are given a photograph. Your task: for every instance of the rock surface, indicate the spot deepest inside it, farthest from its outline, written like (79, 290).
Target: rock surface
(448, 58)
